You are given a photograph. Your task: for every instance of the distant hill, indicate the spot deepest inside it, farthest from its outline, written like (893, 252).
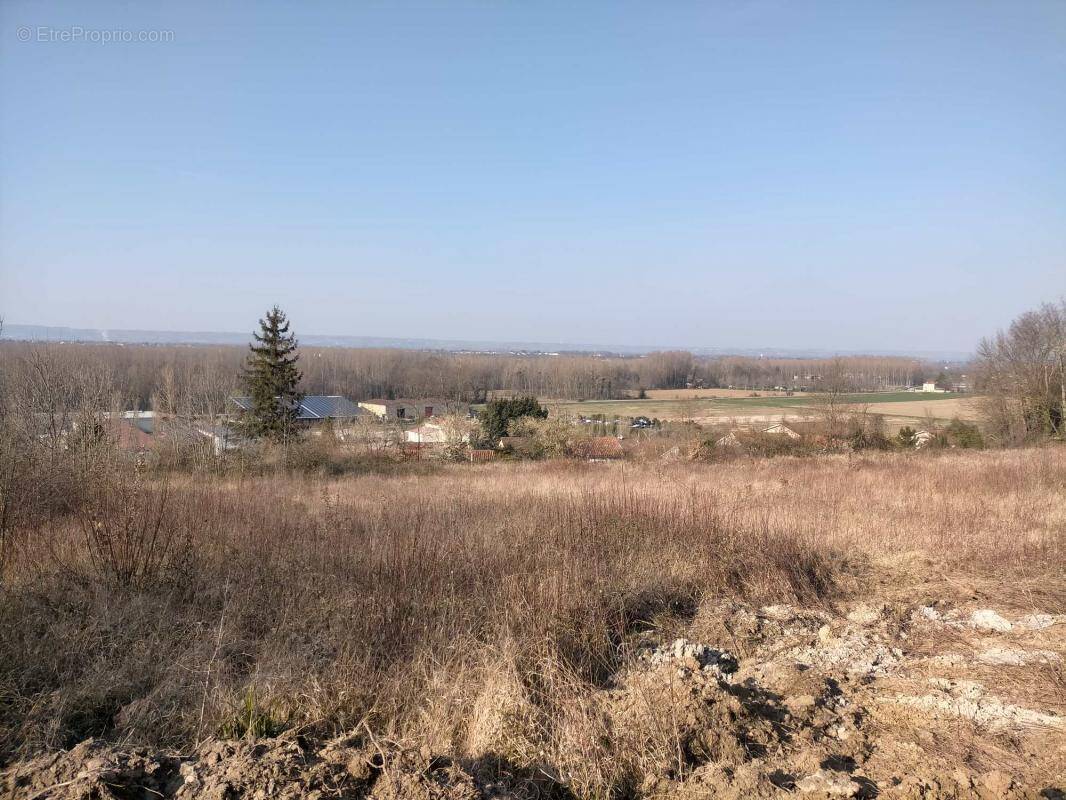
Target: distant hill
(44, 333)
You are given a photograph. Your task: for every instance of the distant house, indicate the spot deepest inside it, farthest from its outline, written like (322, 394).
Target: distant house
(315, 408)
(223, 439)
(599, 448)
(129, 431)
(410, 409)
(781, 429)
(671, 455)
(133, 433)
(729, 440)
(432, 433)
(931, 387)
(426, 433)
(738, 436)
(519, 445)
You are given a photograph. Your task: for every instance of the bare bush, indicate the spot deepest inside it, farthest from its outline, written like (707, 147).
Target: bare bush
(127, 529)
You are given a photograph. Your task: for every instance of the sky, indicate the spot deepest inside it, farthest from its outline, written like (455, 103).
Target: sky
(839, 175)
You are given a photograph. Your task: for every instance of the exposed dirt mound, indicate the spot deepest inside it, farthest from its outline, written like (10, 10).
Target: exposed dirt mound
(285, 767)
(877, 700)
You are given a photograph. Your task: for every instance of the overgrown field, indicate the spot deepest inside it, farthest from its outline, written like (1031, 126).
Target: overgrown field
(503, 625)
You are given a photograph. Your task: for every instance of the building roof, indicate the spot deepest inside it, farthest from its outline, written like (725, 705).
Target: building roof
(516, 444)
(315, 406)
(598, 447)
(781, 428)
(128, 435)
(406, 401)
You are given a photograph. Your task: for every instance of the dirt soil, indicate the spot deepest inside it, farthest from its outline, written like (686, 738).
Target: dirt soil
(936, 696)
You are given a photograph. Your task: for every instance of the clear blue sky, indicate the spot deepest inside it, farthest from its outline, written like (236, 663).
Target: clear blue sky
(851, 175)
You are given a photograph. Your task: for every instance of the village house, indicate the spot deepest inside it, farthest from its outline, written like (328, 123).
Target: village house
(781, 429)
(132, 432)
(410, 410)
(222, 438)
(518, 445)
(434, 433)
(733, 438)
(598, 448)
(729, 440)
(315, 408)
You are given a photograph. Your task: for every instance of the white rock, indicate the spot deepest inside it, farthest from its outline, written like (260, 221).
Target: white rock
(865, 615)
(779, 612)
(720, 662)
(929, 613)
(1037, 622)
(970, 700)
(985, 619)
(827, 782)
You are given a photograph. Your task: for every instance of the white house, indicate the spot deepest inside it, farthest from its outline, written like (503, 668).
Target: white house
(433, 433)
(222, 437)
(411, 410)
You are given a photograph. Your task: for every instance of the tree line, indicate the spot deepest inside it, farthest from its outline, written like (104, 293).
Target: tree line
(198, 380)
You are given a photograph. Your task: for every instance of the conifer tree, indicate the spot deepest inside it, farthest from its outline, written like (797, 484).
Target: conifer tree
(271, 380)
(498, 414)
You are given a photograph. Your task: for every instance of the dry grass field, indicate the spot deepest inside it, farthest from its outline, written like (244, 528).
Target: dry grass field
(878, 625)
(965, 408)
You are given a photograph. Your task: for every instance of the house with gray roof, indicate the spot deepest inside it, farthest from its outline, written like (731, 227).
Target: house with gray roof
(316, 408)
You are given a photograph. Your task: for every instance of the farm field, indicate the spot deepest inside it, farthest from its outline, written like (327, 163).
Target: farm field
(898, 408)
(704, 394)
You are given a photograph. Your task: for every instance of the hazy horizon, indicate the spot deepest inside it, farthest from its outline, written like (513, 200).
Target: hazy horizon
(13, 331)
(856, 177)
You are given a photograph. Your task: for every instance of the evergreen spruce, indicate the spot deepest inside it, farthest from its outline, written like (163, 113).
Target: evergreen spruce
(271, 379)
(497, 415)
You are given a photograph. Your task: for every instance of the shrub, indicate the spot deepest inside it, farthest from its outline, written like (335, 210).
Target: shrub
(964, 434)
(907, 436)
(496, 417)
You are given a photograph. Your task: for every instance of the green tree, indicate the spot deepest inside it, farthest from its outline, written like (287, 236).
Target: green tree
(964, 434)
(497, 415)
(271, 380)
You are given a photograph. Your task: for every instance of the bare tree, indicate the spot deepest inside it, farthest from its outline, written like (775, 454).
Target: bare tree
(1022, 373)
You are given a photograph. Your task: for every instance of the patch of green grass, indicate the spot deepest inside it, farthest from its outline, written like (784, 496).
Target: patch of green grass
(250, 720)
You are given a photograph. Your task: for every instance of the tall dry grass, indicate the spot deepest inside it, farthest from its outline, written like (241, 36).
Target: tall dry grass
(464, 608)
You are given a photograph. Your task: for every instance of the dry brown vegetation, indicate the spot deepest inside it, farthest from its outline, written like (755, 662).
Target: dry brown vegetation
(495, 615)
(198, 379)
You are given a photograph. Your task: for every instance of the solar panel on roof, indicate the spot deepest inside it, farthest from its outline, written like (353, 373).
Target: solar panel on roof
(315, 406)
